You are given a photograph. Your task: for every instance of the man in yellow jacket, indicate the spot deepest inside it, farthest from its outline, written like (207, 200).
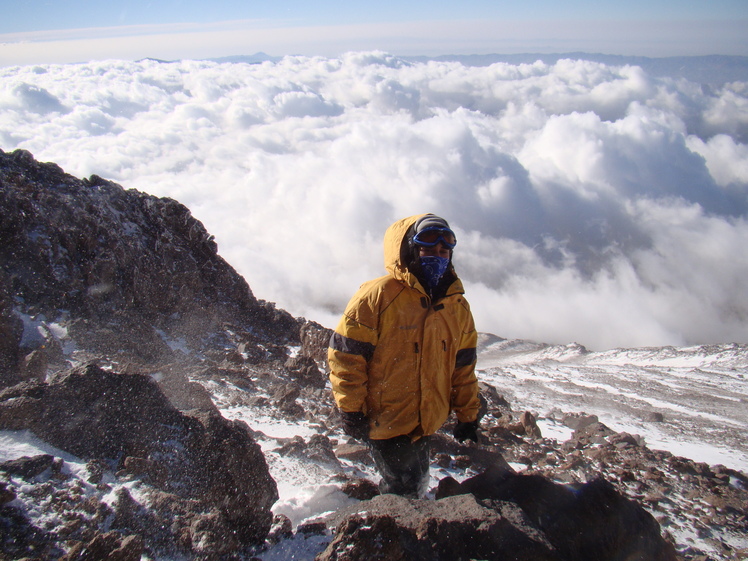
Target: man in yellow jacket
(403, 355)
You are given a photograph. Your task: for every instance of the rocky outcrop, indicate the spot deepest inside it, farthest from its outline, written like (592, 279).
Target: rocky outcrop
(314, 340)
(136, 275)
(305, 372)
(11, 331)
(204, 477)
(584, 522)
(112, 546)
(392, 528)
(501, 515)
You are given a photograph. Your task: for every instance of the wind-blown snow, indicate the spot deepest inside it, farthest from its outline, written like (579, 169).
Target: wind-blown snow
(699, 391)
(592, 203)
(701, 399)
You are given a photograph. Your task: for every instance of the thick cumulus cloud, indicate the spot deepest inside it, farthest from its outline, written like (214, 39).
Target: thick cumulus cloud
(592, 203)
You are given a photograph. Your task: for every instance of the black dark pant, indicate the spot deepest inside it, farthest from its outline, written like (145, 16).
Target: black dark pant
(403, 464)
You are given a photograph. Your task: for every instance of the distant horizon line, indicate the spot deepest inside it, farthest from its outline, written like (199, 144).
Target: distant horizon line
(447, 54)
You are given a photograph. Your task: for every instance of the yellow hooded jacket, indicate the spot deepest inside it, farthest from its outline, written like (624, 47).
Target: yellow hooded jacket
(400, 358)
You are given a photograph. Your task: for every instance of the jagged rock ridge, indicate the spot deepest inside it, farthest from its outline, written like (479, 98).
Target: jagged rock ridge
(122, 269)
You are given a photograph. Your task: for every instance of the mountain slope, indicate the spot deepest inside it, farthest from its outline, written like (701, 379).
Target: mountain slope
(688, 400)
(104, 289)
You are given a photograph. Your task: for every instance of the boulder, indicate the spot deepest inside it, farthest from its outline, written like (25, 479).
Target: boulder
(527, 425)
(579, 421)
(304, 371)
(28, 467)
(495, 402)
(205, 461)
(314, 340)
(183, 393)
(111, 546)
(393, 528)
(584, 522)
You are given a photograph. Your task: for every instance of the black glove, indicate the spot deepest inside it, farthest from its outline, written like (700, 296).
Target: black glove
(355, 425)
(466, 430)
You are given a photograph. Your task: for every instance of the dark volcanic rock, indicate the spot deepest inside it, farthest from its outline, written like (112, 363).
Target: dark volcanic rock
(304, 370)
(584, 522)
(314, 340)
(11, 331)
(27, 467)
(392, 528)
(92, 413)
(501, 515)
(209, 464)
(111, 546)
(133, 268)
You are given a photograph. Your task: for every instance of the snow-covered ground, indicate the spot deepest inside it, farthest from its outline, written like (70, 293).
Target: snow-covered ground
(700, 393)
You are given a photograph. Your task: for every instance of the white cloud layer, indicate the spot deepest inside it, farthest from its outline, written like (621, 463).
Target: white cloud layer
(592, 203)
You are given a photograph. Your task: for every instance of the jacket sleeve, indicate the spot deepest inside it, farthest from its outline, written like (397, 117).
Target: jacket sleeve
(352, 346)
(464, 398)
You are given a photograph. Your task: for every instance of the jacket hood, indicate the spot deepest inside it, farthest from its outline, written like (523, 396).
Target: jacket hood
(393, 240)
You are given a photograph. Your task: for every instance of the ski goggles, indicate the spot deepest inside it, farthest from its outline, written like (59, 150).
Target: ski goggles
(429, 237)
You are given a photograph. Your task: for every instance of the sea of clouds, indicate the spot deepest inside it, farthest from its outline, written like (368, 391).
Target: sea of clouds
(592, 203)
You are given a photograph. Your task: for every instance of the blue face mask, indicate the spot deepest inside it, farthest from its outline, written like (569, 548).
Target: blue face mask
(433, 268)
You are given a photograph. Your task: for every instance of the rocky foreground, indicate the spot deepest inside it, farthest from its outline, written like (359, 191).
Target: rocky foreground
(164, 483)
(120, 330)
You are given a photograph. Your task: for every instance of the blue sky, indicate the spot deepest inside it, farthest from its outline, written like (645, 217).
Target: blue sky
(34, 31)
(33, 15)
